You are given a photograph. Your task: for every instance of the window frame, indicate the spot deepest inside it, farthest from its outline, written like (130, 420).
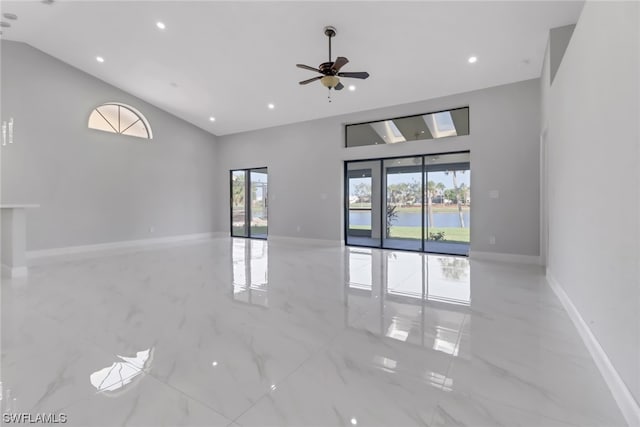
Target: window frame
(136, 112)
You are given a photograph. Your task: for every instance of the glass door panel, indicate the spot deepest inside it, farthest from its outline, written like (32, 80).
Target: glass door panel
(363, 219)
(259, 203)
(403, 203)
(448, 205)
(238, 204)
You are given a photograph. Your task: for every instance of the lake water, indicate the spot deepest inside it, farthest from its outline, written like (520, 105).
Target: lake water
(412, 219)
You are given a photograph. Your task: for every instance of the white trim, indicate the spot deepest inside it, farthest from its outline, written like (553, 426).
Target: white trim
(18, 206)
(70, 250)
(621, 393)
(7, 271)
(501, 257)
(306, 241)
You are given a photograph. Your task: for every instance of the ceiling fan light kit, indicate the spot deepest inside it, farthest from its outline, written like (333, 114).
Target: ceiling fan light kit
(330, 70)
(329, 81)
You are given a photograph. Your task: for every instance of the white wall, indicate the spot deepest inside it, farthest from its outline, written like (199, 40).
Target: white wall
(97, 187)
(305, 162)
(591, 113)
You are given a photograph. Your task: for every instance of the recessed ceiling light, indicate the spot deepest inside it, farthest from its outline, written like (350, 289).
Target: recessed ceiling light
(472, 59)
(215, 363)
(352, 88)
(212, 119)
(161, 25)
(271, 106)
(99, 59)
(354, 421)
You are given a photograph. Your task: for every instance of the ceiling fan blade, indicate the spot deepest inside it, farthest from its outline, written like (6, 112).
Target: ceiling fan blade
(304, 82)
(341, 61)
(306, 67)
(356, 75)
(339, 86)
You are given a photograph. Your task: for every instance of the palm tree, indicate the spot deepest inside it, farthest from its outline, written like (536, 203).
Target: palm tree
(441, 187)
(464, 192)
(458, 201)
(431, 190)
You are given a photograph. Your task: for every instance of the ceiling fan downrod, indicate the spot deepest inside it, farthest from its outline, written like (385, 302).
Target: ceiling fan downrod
(330, 32)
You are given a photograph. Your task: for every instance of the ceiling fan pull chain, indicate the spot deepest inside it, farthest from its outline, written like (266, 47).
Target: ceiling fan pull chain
(329, 96)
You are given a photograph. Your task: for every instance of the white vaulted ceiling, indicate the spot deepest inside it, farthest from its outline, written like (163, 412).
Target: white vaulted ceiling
(230, 59)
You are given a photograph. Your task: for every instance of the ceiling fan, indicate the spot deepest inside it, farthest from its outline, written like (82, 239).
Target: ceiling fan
(330, 71)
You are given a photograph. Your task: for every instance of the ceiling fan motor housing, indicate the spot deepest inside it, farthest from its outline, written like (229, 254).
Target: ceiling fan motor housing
(325, 68)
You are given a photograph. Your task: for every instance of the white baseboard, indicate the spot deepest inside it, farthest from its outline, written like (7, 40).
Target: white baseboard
(7, 271)
(495, 256)
(71, 250)
(621, 393)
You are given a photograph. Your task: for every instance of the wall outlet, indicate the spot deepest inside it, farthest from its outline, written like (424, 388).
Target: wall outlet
(298, 229)
(492, 240)
(494, 194)
(152, 229)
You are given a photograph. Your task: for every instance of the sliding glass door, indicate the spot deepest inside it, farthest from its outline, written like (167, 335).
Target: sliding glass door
(249, 203)
(448, 213)
(403, 203)
(417, 203)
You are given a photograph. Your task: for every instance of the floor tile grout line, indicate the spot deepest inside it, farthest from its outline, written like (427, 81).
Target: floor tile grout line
(530, 411)
(284, 379)
(182, 392)
(89, 344)
(503, 402)
(98, 348)
(62, 408)
(323, 347)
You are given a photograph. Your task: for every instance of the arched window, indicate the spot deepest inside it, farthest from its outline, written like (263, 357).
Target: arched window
(120, 118)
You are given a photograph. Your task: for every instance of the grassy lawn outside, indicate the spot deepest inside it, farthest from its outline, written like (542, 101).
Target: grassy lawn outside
(434, 209)
(451, 234)
(414, 209)
(240, 231)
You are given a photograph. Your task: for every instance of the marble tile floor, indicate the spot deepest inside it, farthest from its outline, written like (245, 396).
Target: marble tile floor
(252, 333)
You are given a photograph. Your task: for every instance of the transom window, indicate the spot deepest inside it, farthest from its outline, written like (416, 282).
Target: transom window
(120, 118)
